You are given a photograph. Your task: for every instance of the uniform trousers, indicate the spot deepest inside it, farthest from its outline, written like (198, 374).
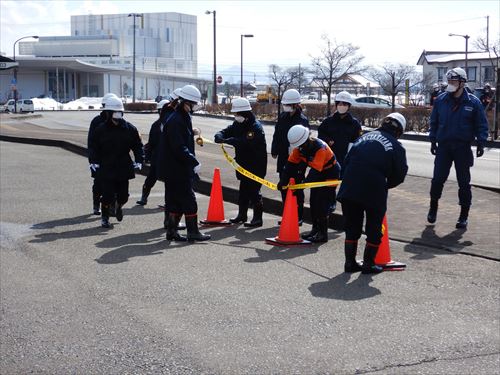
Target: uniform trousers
(354, 215)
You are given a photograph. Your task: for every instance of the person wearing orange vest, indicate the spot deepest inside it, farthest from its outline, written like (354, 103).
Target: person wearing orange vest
(319, 157)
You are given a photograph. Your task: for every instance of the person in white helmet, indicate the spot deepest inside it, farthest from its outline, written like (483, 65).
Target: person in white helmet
(339, 130)
(101, 117)
(178, 166)
(291, 115)
(109, 154)
(457, 118)
(247, 136)
(375, 163)
(151, 151)
(435, 93)
(319, 157)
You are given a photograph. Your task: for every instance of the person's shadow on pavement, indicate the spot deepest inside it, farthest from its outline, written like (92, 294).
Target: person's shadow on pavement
(340, 288)
(283, 253)
(449, 244)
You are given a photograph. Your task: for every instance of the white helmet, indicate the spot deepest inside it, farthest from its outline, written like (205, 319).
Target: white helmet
(298, 135)
(175, 94)
(162, 103)
(456, 74)
(191, 93)
(399, 118)
(344, 96)
(291, 96)
(113, 103)
(106, 97)
(241, 105)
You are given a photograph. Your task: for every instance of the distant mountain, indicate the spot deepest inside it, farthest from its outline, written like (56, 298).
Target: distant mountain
(232, 74)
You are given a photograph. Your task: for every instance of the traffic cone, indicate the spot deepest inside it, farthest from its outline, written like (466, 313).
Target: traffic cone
(289, 229)
(215, 215)
(383, 257)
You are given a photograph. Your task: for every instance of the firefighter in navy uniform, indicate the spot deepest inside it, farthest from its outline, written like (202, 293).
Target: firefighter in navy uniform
(435, 93)
(375, 163)
(247, 136)
(101, 117)
(109, 152)
(339, 130)
(178, 166)
(151, 151)
(316, 154)
(456, 119)
(280, 148)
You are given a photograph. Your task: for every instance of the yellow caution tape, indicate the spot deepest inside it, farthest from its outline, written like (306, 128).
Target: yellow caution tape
(271, 185)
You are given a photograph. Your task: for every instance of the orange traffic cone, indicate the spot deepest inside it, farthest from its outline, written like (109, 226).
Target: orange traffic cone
(383, 257)
(289, 228)
(215, 215)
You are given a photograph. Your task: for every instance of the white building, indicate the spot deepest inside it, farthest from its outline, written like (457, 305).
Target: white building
(481, 66)
(98, 58)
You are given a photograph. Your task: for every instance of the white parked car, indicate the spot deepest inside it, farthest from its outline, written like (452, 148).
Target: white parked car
(23, 105)
(373, 102)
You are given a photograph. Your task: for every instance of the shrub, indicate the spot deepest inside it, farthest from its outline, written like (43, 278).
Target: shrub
(139, 106)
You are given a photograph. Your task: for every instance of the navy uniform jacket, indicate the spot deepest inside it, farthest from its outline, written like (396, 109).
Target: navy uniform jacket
(151, 148)
(100, 118)
(341, 131)
(110, 147)
(375, 163)
(249, 142)
(176, 154)
(458, 120)
(280, 145)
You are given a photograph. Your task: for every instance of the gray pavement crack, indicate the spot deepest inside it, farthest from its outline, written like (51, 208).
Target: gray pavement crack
(423, 361)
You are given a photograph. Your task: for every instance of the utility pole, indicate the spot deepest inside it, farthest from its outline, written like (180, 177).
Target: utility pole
(133, 57)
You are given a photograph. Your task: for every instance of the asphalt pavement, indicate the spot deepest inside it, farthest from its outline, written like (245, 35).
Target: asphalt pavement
(77, 298)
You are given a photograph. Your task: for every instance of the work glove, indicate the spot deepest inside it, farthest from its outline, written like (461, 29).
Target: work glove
(218, 138)
(197, 169)
(138, 166)
(280, 185)
(94, 167)
(479, 150)
(434, 148)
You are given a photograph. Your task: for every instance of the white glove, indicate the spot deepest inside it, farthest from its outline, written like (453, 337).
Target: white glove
(138, 166)
(94, 167)
(197, 169)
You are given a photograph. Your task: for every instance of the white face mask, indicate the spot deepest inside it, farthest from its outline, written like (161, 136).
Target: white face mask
(239, 119)
(451, 88)
(117, 115)
(342, 109)
(287, 108)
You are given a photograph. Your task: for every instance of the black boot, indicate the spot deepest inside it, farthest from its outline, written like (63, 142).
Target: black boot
(433, 210)
(180, 226)
(369, 260)
(112, 208)
(300, 211)
(172, 234)
(462, 219)
(145, 194)
(350, 250)
(96, 197)
(119, 212)
(258, 209)
(307, 236)
(193, 234)
(105, 217)
(322, 234)
(242, 214)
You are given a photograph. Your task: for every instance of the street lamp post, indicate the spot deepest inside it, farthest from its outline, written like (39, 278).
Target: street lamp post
(214, 91)
(15, 69)
(241, 75)
(466, 37)
(133, 57)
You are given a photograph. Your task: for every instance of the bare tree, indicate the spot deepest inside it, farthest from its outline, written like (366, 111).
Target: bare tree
(391, 78)
(335, 61)
(283, 78)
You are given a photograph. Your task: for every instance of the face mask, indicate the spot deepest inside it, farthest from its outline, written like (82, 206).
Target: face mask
(239, 119)
(287, 108)
(451, 88)
(117, 115)
(342, 109)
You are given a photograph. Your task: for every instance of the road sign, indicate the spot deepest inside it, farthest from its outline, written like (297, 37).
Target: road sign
(219, 79)
(13, 81)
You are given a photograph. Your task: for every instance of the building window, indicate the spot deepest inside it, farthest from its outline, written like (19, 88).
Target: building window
(167, 35)
(441, 70)
(489, 74)
(471, 74)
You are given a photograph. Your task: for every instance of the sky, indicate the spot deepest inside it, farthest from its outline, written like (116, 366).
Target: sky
(286, 33)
